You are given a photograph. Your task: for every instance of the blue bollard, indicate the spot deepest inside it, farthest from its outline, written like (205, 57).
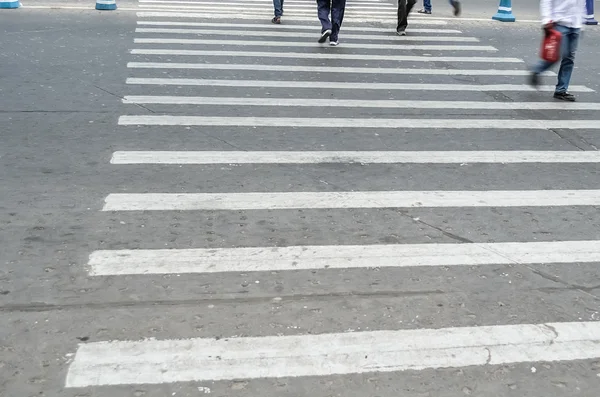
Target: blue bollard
(504, 13)
(106, 4)
(10, 4)
(589, 20)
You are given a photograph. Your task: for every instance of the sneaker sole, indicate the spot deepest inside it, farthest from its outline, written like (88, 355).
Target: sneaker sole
(324, 36)
(565, 99)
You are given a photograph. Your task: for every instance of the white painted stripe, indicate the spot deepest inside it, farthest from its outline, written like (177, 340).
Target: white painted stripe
(254, 259)
(261, 2)
(252, 26)
(375, 12)
(154, 361)
(346, 85)
(509, 9)
(250, 3)
(236, 15)
(256, 43)
(362, 157)
(366, 199)
(292, 8)
(341, 69)
(331, 55)
(357, 103)
(266, 33)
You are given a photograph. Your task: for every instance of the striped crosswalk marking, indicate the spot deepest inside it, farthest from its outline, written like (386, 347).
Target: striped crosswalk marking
(168, 361)
(267, 33)
(311, 44)
(295, 55)
(369, 157)
(341, 69)
(225, 68)
(262, 259)
(400, 123)
(364, 30)
(364, 199)
(346, 85)
(246, 15)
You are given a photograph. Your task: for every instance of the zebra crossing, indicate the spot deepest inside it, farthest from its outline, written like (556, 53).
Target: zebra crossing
(298, 126)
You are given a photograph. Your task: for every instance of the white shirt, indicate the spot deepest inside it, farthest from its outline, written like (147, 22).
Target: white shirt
(570, 13)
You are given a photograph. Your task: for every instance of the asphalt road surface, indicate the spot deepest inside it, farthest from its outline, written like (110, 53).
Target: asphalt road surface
(194, 201)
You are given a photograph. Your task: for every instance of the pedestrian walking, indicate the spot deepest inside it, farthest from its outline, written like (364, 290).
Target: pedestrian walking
(426, 7)
(567, 17)
(330, 28)
(278, 6)
(405, 7)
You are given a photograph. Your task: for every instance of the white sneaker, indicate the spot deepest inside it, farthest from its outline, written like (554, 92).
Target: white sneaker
(334, 43)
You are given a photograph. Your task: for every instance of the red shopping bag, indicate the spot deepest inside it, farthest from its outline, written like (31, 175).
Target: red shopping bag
(551, 45)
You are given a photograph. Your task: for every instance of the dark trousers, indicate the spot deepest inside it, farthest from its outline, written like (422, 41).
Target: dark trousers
(336, 9)
(570, 40)
(404, 8)
(278, 5)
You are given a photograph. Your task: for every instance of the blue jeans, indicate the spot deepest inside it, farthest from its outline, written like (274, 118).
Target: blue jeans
(570, 40)
(427, 4)
(336, 8)
(278, 5)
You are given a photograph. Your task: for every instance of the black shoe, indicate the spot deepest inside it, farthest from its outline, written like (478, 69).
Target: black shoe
(276, 20)
(456, 6)
(534, 80)
(324, 36)
(424, 11)
(564, 96)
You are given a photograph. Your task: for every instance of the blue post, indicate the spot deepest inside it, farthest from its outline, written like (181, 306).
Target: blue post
(10, 4)
(106, 4)
(589, 20)
(504, 13)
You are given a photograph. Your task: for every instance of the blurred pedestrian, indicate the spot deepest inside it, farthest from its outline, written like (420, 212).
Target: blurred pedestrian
(427, 7)
(278, 6)
(405, 7)
(567, 17)
(331, 28)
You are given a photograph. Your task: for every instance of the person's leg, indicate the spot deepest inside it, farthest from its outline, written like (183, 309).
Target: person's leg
(337, 16)
(570, 40)
(323, 10)
(402, 16)
(427, 5)
(409, 6)
(456, 6)
(404, 8)
(278, 6)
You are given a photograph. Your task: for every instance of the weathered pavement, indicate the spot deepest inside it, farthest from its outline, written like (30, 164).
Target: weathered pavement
(76, 192)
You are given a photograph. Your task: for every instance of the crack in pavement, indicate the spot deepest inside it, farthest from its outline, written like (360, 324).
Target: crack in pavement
(43, 307)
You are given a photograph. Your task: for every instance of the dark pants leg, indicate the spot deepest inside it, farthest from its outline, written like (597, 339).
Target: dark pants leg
(337, 16)
(323, 10)
(567, 64)
(570, 39)
(278, 6)
(404, 8)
